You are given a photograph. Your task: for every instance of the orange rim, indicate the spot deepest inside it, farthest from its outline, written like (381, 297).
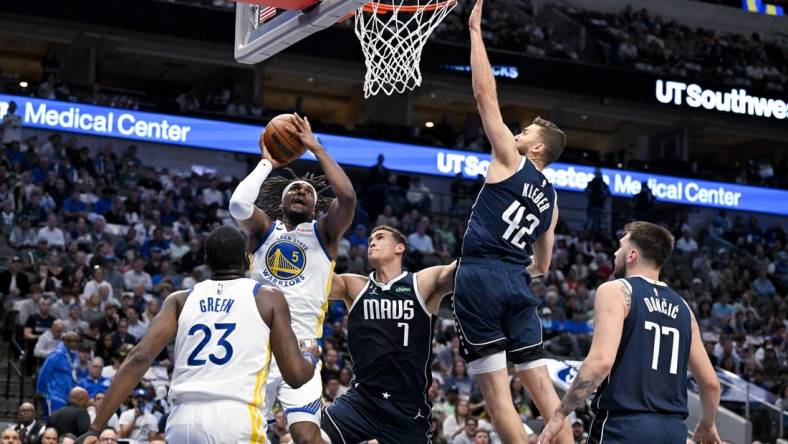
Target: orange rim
(384, 8)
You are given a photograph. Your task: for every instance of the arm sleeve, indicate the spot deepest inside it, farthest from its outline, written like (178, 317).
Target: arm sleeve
(243, 198)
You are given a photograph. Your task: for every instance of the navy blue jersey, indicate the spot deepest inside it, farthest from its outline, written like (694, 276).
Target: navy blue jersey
(390, 340)
(650, 371)
(510, 215)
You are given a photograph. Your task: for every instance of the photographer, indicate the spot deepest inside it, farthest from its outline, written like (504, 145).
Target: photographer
(137, 424)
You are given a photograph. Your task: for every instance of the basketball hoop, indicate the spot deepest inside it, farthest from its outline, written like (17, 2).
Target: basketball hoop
(392, 35)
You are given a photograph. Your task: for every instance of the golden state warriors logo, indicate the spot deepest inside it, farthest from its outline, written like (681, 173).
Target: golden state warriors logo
(285, 263)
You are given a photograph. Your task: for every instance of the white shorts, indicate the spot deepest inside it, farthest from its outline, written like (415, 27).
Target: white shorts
(216, 422)
(301, 404)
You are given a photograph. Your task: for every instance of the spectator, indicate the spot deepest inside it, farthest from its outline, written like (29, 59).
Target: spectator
(420, 243)
(212, 195)
(10, 436)
(23, 235)
(94, 383)
(481, 437)
(454, 423)
(74, 322)
(762, 286)
(137, 275)
(37, 324)
(51, 233)
(467, 433)
(73, 418)
(177, 247)
(112, 423)
(28, 428)
(278, 429)
(122, 336)
(578, 431)
(14, 282)
(136, 423)
(460, 378)
(92, 286)
(56, 377)
(642, 202)
(29, 306)
(49, 340)
(49, 436)
(12, 127)
(359, 236)
(597, 193)
(686, 244)
(419, 195)
(68, 438)
(137, 326)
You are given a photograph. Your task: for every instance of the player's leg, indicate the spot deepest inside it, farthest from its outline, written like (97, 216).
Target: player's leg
(303, 410)
(527, 353)
(350, 419)
(498, 399)
(479, 305)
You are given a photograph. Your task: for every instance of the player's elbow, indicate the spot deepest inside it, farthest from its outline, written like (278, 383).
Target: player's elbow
(347, 197)
(298, 378)
(240, 210)
(711, 387)
(601, 365)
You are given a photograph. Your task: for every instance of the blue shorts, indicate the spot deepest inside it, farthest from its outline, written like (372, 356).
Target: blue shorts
(637, 428)
(358, 416)
(495, 311)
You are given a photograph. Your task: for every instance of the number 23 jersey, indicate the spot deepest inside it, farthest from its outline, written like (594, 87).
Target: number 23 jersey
(510, 215)
(297, 263)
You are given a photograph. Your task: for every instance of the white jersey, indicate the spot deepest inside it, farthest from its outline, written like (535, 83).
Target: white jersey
(297, 263)
(222, 348)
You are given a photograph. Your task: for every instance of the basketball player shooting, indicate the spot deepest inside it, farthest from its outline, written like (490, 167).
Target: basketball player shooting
(390, 326)
(295, 253)
(645, 337)
(225, 329)
(511, 227)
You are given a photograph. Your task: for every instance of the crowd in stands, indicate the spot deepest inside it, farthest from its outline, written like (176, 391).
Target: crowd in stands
(96, 240)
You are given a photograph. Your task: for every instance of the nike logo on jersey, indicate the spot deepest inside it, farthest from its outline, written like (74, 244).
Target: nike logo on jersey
(537, 196)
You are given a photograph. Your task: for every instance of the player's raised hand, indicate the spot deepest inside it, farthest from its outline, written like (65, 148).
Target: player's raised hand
(475, 20)
(706, 435)
(551, 430)
(267, 154)
(304, 132)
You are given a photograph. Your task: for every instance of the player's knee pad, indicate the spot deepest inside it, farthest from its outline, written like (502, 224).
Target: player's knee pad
(487, 364)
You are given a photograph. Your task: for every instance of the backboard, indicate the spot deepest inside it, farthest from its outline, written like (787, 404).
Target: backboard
(262, 31)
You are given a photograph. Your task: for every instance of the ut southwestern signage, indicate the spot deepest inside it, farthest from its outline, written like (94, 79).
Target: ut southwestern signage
(736, 101)
(242, 138)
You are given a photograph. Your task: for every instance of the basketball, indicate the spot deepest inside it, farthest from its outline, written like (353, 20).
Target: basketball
(281, 140)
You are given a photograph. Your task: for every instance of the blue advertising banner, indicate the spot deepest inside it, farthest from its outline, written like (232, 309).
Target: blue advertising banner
(416, 159)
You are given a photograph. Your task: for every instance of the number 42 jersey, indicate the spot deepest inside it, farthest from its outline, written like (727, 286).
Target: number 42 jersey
(510, 215)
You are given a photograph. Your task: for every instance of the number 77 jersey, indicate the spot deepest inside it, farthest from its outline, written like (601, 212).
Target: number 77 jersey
(650, 370)
(509, 216)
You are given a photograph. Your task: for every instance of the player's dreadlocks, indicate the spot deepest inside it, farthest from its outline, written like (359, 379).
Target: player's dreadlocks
(271, 192)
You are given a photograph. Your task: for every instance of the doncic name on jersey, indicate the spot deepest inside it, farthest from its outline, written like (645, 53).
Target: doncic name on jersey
(285, 262)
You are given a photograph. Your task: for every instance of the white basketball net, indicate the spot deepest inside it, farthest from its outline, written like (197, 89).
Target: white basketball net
(392, 38)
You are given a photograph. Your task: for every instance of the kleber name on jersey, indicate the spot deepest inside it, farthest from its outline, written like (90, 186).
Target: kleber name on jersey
(285, 261)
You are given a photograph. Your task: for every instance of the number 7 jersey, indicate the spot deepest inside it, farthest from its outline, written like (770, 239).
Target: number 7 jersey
(510, 215)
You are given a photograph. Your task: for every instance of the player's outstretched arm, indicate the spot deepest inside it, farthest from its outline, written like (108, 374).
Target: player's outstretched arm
(254, 221)
(160, 332)
(435, 283)
(345, 287)
(343, 208)
(543, 247)
(504, 150)
(297, 368)
(709, 387)
(610, 309)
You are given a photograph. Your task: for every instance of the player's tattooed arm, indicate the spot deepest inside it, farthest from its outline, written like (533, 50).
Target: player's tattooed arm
(626, 290)
(584, 385)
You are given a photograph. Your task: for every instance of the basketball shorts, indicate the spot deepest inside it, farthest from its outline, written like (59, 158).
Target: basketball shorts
(495, 311)
(301, 404)
(215, 422)
(358, 416)
(637, 428)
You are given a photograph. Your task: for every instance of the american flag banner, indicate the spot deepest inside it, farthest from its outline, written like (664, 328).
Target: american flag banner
(266, 13)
